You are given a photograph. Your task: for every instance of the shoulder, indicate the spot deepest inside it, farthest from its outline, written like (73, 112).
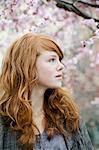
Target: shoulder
(8, 137)
(81, 138)
(81, 131)
(1, 124)
(1, 133)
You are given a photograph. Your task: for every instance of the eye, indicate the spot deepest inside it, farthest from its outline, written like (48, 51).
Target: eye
(52, 60)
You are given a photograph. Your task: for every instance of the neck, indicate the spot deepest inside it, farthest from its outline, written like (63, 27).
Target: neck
(37, 98)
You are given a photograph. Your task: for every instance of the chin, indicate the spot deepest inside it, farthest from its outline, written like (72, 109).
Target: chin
(56, 86)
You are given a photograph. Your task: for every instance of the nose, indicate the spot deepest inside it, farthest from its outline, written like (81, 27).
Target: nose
(60, 66)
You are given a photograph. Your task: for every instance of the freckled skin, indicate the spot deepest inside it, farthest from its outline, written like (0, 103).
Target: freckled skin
(48, 66)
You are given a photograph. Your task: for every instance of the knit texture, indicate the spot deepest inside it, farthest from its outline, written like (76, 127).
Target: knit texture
(78, 141)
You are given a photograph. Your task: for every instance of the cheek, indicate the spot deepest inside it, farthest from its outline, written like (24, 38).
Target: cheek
(45, 72)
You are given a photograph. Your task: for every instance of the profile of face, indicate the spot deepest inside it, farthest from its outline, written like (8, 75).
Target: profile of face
(34, 60)
(50, 69)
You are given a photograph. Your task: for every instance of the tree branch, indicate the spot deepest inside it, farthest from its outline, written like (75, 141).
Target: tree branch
(89, 4)
(70, 7)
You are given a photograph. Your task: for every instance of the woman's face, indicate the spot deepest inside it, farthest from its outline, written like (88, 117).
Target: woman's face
(50, 69)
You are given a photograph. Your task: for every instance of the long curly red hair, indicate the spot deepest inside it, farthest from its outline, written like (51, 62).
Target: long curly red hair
(17, 79)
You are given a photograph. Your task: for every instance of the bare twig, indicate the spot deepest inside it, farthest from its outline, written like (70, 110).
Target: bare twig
(71, 7)
(89, 4)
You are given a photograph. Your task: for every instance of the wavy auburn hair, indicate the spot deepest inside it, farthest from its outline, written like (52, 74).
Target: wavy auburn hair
(17, 79)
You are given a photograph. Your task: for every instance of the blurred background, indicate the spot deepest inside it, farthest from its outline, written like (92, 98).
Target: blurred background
(74, 24)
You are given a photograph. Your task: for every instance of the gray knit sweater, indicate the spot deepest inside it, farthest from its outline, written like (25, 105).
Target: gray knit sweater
(78, 141)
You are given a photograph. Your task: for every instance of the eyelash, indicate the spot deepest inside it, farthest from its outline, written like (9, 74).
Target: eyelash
(52, 60)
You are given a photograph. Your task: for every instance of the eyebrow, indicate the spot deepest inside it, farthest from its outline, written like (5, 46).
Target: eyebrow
(54, 55)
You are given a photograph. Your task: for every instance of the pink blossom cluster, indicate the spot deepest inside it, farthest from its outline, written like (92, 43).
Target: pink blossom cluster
(39, 16)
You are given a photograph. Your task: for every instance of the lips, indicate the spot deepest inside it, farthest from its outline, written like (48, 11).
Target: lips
(59, 77)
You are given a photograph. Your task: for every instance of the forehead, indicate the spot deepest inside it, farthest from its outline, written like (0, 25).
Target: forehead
(49, 46)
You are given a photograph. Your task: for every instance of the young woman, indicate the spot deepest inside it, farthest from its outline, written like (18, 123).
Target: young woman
(36, 113)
